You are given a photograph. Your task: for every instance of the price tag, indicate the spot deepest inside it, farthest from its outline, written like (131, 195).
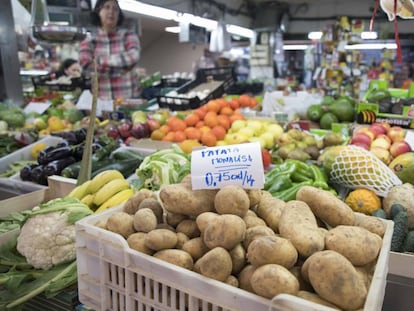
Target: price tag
(239, 165)
(37, 107)
(409, 138)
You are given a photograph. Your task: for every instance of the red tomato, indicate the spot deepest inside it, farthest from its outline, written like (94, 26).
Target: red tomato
(266, 158)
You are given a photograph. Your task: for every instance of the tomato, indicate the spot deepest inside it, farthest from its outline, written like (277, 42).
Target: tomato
(266, 157)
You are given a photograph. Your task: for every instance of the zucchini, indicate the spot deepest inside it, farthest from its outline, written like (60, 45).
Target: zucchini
(400, 231)
(395, 209)
(380, 213)
(408, 245)
(126, 167)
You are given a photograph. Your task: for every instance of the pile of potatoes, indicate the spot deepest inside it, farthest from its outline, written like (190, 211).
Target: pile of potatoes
(313, 247)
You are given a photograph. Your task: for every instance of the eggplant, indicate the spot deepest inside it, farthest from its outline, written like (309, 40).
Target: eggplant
(37, 175)
(68, 136)
(56, 167)
(80, 135)
(26, 171)
(55, 154)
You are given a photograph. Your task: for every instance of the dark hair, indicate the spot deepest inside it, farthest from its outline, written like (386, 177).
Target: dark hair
(67, 63)
(96, 20)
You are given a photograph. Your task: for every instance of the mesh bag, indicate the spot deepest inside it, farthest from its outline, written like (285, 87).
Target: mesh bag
(355, 167)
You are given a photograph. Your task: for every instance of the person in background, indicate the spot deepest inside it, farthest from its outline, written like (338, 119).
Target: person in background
(116, 51)
(69, 67)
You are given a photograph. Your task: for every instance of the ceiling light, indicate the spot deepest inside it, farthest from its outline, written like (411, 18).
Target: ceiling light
(240, 31)
(295, 47)
(315, 35)
(146, 9)
(372, 46)
(369, 35)
(173, 29)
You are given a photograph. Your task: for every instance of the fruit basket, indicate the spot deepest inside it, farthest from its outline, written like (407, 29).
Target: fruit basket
(112, 276)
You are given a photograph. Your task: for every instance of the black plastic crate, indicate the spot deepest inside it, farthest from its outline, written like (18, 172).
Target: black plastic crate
(177, 103)
(42, 81)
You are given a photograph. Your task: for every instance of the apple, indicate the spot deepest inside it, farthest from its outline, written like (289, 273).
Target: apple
(367, 131)
(399, 147)
(275, 129)
(381, 141)
(258, 139)
(385, 125)
(255, 125)
(361, 138)
(378, 129)
(361, 144)
(124, 128)
(269, 140)
(235, 138)
(396, 133)
(383, 154)
(153, 124)
(140, 130)
(248, 131)
(113, 133)
(237, 125)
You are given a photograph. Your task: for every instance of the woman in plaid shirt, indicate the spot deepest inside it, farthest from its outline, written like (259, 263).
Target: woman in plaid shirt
(116, 51)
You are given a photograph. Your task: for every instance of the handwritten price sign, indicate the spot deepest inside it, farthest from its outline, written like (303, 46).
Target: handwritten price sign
(215, 167)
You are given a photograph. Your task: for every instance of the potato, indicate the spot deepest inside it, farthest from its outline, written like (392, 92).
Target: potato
(189, 228)
(372, 224)
(232, 280)
(335, 279)
(271, 280)
(254, 196)
(298, 224)
(204, 219)
(252, 220)
(255, 232)
(238, 258)
(365, 276)
(181, 239)
(121, 223)
(145, 220)
(174, 219)
(270, 209)
(226, 231)
(101, 224)
(137, 241)
(245, 276)
(272, 250)
(176, 257)
(195, 247)
(216, 264)
(132, 204)
(181, 199)
(153, 204)
(303, 284)
(326, 206)
(357, 244)
(315, 298)
(232, 200)
(159, 239)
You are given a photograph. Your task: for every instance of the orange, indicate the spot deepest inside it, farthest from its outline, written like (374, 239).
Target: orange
(234, 104)
(179, 136)
(253, 102)
(204, 129)
(191, 119)
(188, 145)
(157, 134)
(224, 121)
(219, 132)
(244, 100)
(176, 124)
(208, 139)
(164, 128)
(201, 112)
(236, 116)
(213, 105)
(223, 102)
(169, 137)
(211, 119)
(192, 133)
(199, 124)
(226, 110)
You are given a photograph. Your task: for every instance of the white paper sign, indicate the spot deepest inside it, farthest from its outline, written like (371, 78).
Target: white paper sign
(239, 165)
(37, 107)
(85, 103)
(409, 138)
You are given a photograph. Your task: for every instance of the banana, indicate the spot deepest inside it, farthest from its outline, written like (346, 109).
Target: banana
(88, 199)
(117, 199)
(103, 178)
(110, 189)
(79, 192)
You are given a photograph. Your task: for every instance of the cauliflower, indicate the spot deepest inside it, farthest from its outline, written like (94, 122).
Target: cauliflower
(47, 238)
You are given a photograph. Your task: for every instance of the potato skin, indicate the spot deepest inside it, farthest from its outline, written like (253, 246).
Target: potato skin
(270, 209)
(372, 224)
(132, 204)
(137, 241)
(145, 220)
(357, 244)
(271, 280)
(195, 247)
(315, 298)
(335, 279)
(254, 232)
(189, 228)
(121, 223)
(272, 250)
(298, 224)
(326, 206)
(216, 264)
(238, 258)
(232, 200)
(177, 257)
(226, 231)
(160, 239)
(204, 219)
(245, 276)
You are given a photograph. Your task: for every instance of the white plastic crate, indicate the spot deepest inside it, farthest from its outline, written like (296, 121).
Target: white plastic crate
(114, 277)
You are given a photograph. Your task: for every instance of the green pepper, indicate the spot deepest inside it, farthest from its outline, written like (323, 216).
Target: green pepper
(320, 179)
(55, 112)
(277, 171)
(280, 183)
(290, 193)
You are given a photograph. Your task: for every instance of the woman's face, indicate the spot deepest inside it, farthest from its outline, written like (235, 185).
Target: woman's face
(74, 70)
(109, 14)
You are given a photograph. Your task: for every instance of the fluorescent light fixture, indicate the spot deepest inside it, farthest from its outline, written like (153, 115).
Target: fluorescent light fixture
(240, 31)
(369, 35)
(209, 24)
(315, 35)
(173, 29)
(295, 47)
(372, 46)
(146, 9)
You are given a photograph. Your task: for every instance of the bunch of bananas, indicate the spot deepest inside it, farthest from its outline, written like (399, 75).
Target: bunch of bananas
(105, 190)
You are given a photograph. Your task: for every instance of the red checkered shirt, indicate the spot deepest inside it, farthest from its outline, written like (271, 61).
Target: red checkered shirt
(116, 54)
